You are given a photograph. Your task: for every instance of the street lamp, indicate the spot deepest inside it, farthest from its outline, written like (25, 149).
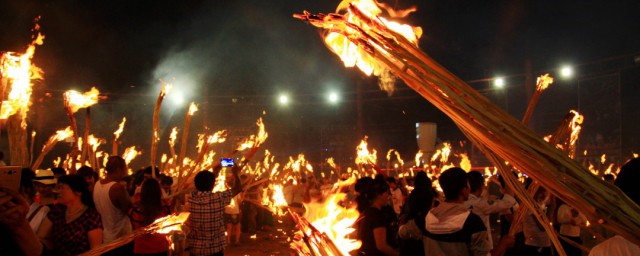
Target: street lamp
(283, 99)
(333, 97)
(498, 82)
(566, 71)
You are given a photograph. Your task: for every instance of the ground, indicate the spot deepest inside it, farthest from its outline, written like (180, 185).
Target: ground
(269, 242)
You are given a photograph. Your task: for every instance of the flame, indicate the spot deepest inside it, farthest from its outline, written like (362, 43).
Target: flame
(254, 141)
(389, 154)
(543, 82)
(278, 198)
(63, 134)
(334, 220)
(117, 133)
(76, 100)
(173, 136)
(221, 184)
(169, 223)
(465, 163)
(20, 71)
(603, 158)
(130, 153)
(331, 163)
(349, 52)
(164, 158)
(56, 162)
(193, 108)
(363, 155)
(418, 157)
(94, 142)
(446, 150)
(399, 159)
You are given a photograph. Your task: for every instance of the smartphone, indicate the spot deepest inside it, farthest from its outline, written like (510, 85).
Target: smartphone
(227, 162)
(10, 177)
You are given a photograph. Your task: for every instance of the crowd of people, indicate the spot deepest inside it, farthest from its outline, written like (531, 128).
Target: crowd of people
(456, 220)
(55, 213)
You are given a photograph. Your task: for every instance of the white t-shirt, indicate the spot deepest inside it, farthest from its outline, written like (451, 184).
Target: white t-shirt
(38, 217)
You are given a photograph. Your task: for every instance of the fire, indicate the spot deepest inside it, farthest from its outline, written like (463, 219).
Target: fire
(334, 220)
(278, 198)
(193, 108)
(254, 141)
(348, 51)
(543, 82)
(389, 154)
(130, 153)
(173, 136)
(575, 131)
(20, 71)
(331, 163)
(221, 184)
(169, 223)
(76, 100)
(117, 133)
(603, 158)
(63, 134)
(465, 163)
(364, 157)
(399, 159)
(418, 157)
(94, 142)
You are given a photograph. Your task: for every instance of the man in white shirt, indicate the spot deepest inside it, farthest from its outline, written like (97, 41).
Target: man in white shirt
(480, 206)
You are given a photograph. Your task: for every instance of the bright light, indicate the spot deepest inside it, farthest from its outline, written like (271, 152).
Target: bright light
(499, 82)
(283, 99)
(566, 71)
(333, 97)
(177, 98)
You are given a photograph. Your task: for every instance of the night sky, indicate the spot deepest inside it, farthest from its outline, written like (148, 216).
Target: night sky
(238, 55)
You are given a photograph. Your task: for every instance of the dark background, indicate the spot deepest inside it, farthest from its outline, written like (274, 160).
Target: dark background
(235, 57)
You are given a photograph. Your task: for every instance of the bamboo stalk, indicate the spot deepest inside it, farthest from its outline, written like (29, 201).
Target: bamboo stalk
(33, 138)
(156, 119)
(85, 139)
(542, 84)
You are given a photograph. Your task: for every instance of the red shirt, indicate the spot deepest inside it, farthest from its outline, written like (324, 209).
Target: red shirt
(72, 238)
(148, 243)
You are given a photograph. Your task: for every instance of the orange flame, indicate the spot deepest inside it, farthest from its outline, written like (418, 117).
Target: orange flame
(465, 163)
(363, 154)
(349, 52)
(63, 134)
(170, 223)
(130, 153)
(76, 100)
(19, 69)
(334, 220)
(117, 133)
(193, 108)
(543, 82)
(418, 157)
(173, 136)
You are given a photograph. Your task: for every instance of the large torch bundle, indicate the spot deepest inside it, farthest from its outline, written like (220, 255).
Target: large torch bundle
(378, 47)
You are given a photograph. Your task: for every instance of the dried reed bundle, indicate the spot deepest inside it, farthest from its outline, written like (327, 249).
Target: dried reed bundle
(156, 120)
(51, 142)
(499, 135)
(162, 226)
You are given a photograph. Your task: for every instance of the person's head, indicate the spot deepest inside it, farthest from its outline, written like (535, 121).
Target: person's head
(476, 181)
(72, 189)
(148, 172)
(454, 184)
(540, 195)
(204, 181)
(27, 188)
(58, 172)
(629, 178)
(166, 182)
(127, 182)
(609, 178)
(45, 182)
(377, 193)
(422, 181)
(88, 174)
(116, 167)
(150, 200)
(391, 181)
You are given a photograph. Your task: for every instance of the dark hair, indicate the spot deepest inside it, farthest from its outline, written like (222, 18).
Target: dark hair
(422, 181)
(609, 177)
(476, 180)
(114, 163)
(150, 201)
(78, 184)
(204, 180)
(369, 189)
(86, 171)
(391, 180)
(453, 181)
(148, 170)
(628, 179)
(58, 171)
(26, 182)
(166, 180)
